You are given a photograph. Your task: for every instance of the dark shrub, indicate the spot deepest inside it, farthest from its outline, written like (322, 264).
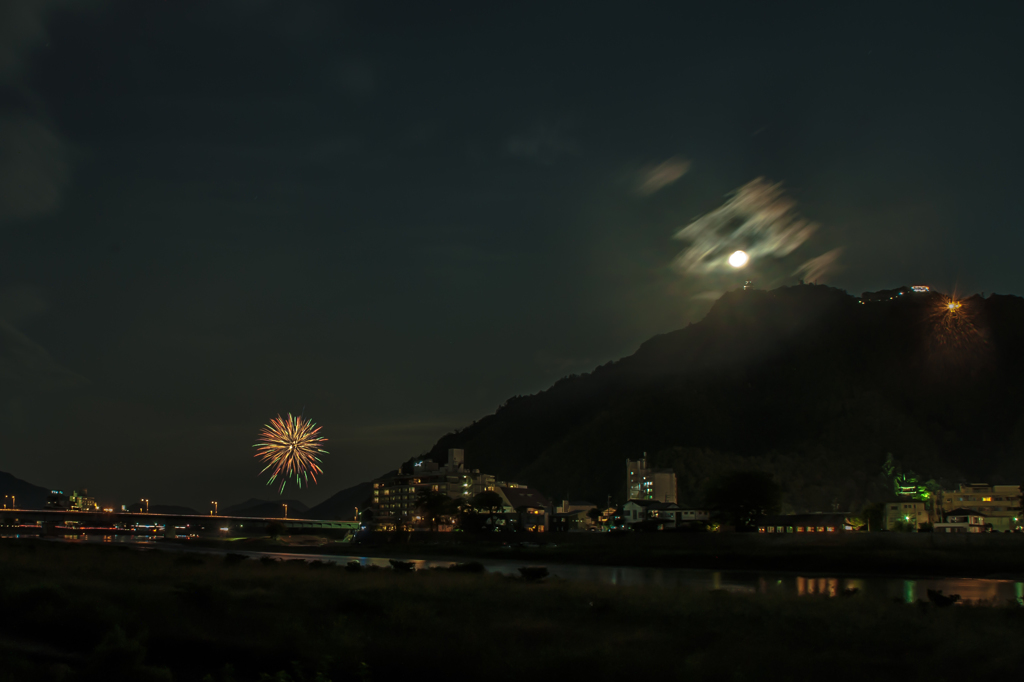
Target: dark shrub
(533, 573)
(234, 559)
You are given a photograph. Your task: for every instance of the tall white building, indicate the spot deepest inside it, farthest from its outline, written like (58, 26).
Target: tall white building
(646, 483)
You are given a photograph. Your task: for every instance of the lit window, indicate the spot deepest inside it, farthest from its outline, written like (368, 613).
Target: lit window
(986, 499)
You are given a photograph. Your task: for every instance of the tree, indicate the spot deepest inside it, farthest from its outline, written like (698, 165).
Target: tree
(488, 501)
(464, 513)
(594, 515)
(856, 522)
(275, 529)
(874, 514)
(432, 505)
(744, 497)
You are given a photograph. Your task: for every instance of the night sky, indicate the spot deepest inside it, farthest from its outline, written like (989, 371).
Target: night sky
(394, 216)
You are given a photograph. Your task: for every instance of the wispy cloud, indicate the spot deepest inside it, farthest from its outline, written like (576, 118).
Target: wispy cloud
(816, 268)
(758, 218)
(654, 178)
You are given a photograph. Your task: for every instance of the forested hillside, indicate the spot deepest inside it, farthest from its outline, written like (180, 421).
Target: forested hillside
(807, 382)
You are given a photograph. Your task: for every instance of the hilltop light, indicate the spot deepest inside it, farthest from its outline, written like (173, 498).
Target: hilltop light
(738, 259)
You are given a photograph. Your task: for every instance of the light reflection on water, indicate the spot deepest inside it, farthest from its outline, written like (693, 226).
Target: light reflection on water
(83, 537)
(971, 590)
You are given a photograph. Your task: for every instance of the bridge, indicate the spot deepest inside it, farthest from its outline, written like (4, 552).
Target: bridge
(66, 521)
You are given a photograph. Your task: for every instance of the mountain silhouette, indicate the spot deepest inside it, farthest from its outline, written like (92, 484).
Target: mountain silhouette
(264, 508)
(342, 504)
(807, 382)
(26, 495)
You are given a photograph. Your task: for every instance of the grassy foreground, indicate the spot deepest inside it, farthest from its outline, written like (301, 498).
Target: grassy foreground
(76, 612)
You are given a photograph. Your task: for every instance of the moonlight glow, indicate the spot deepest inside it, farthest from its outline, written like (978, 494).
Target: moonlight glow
(738, 259)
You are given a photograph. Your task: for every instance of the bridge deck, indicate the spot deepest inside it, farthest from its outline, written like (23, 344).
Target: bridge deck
(58, 516)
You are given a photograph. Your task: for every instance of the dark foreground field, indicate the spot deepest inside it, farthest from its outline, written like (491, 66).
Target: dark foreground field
(76, 612)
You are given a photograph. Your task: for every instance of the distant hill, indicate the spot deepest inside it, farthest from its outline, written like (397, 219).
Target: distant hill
(807, 382)
(26, 495)
(265, 508)
(342, 505)
(162, 509)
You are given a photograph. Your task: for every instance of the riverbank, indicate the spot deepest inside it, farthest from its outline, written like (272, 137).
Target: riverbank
(878, 554)
(94, 612)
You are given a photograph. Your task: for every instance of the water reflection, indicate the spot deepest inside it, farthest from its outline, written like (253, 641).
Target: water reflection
(908, 591)
(971, 590)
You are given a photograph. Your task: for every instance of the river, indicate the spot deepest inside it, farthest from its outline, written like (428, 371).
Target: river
(971, 590)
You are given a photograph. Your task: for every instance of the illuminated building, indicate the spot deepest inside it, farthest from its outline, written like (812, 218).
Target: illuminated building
(805, 524)
(57, 500)
(662, 514)
(905, 512)
(646, 483)
(999, 504)
(962, 521)
(395, 496)
(532, 509)
(82, 502)
(575, 520)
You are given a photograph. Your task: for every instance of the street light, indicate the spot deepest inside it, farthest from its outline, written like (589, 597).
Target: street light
(214, 512)
(147, 503)
(285, 509)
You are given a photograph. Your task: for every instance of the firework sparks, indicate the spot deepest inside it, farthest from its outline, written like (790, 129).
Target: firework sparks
(289, 448)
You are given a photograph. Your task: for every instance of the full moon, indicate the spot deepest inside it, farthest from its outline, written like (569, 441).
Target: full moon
(738, 259)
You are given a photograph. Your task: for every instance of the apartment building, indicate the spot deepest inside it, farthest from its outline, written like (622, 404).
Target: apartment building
(394, 497)
(904, 512)
(999, 504)
(647, 483)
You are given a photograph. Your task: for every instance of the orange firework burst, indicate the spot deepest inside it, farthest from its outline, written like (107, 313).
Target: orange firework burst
(289, 447)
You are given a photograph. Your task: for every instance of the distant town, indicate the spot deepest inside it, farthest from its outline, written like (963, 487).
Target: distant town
(448, 496)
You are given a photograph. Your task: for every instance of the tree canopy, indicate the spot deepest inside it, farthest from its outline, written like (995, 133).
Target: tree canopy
(432, 505)
(744, 497)
(488, 501)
